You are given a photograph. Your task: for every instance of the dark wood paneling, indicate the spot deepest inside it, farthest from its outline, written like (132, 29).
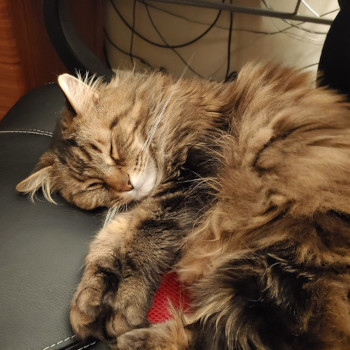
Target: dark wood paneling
(27, 58)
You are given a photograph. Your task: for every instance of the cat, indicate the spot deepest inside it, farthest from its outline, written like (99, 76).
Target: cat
(241, 187)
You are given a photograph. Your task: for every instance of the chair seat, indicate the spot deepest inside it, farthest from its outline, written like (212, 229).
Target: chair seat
(42, 245)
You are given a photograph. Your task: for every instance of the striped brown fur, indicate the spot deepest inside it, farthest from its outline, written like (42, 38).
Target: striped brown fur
(242, 187)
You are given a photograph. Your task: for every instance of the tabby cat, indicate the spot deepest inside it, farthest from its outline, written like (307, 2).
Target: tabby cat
(242, 187)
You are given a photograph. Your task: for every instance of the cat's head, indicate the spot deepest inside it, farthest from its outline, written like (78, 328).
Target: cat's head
(98, 156)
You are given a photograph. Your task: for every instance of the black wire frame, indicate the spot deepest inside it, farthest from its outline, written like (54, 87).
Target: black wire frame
(71, 49)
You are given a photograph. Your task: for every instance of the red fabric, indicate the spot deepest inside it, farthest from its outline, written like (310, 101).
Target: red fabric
(169, 292)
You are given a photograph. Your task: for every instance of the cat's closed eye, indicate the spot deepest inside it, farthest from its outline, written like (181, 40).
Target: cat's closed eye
(116, 158)
(94, 186)
(118, 162)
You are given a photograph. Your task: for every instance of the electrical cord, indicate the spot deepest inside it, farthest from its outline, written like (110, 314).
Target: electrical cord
(228, 75)
(310, 65)
(217, 26)
(132, 32)
(267, 5)
(229, 40)
(142, 60)
(211, 26)
(166, 43)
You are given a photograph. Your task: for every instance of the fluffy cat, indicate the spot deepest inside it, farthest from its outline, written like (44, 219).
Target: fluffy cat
(242, 187)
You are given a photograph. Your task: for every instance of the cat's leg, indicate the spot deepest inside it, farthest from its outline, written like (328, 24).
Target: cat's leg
(122, 271)
(95, 299)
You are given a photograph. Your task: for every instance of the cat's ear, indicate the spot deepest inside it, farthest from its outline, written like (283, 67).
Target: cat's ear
(41, 178)
(78, 92)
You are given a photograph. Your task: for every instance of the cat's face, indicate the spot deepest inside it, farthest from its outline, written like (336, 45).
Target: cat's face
(98, 156)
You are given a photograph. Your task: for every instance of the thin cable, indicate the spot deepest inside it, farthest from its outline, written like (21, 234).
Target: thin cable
(298, 36)
(161, 45)
(305, 38)
(165, 42)
(229, 40)
(142, 60)
(329, 12)
(310, 65)
(267, 5)
(132, 32)
(304, 29)
(220, 26)
(214, 23)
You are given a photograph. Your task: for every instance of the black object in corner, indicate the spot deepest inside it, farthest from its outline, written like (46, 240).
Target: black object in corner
(64, 37)
(334, 66)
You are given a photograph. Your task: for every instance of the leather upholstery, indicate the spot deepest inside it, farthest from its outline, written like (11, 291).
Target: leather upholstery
(42, 245)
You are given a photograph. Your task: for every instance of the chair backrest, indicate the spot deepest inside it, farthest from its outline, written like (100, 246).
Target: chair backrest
(72, 50)
(334, 66)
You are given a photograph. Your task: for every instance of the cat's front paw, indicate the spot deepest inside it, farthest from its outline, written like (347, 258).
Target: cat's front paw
(106, 306)
(132, 303)
(92, 307)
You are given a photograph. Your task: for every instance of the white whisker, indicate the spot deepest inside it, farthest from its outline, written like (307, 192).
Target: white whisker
(112, 211)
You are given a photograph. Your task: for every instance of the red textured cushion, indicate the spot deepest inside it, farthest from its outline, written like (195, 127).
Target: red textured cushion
(169, 292)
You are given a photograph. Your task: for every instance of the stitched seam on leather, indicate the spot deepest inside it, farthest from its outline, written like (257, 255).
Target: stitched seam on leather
(65, 340)
(49, 134)
(59, 343)
(87, 346)
(28, 131)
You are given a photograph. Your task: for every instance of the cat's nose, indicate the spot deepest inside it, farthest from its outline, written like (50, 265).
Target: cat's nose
(127, 186)
(119, 182)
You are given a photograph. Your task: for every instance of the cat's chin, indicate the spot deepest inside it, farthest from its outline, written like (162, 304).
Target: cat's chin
(144, 182)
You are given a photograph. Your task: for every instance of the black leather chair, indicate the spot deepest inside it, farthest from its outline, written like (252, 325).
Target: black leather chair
(43, 245)
(334, 66)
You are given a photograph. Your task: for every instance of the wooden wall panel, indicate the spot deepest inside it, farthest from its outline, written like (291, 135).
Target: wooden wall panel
(11, 70)
(27, 58)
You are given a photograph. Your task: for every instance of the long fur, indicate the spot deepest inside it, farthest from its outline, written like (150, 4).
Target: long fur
(250, 204)
(272, 261)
